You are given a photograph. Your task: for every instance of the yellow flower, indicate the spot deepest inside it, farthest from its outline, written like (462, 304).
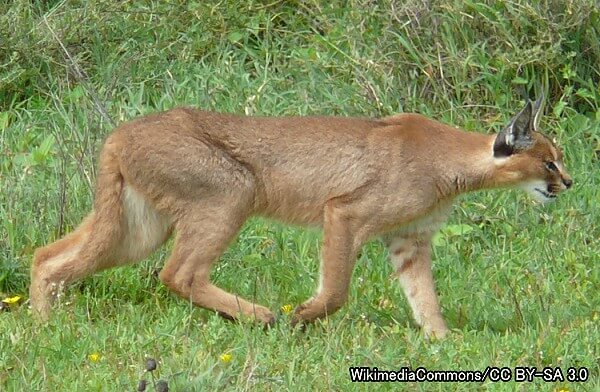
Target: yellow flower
(225, 358)
(94, 357)
(563, 390)
(287, 309)
(12, 300)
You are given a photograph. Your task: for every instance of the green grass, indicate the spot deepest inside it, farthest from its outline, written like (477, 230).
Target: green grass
(520, 289)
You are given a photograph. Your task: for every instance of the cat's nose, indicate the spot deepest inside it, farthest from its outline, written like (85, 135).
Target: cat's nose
(568, 182)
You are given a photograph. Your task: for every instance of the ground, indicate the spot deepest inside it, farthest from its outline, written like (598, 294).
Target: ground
(518, 282)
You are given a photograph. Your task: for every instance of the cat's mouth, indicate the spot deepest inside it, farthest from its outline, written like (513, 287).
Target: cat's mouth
(549, 195)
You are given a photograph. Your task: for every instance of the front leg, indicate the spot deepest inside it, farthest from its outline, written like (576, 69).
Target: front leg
(411, 258)
(343, 235)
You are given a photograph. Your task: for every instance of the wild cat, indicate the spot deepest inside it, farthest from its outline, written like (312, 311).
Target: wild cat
(201, 175)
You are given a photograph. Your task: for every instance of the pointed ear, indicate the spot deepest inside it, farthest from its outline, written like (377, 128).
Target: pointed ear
(517, 135)
(538, 108)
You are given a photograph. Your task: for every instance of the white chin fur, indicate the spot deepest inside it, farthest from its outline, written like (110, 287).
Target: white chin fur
(538, 191)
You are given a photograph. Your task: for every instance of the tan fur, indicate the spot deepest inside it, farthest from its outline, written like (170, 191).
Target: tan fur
(202, 174)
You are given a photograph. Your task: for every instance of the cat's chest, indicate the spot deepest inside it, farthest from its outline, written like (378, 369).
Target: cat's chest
(425, 224)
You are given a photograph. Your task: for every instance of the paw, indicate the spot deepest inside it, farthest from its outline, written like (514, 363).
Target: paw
(435, 333)
(298, 318)
(271, 323)
(312, 310)
(259, 314)
(42, 296)
(40, 301)
(308, 312)
(264, 316)
(41, 308)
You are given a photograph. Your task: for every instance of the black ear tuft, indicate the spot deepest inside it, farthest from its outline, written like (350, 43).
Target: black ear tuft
(517, 135)
(538, 108)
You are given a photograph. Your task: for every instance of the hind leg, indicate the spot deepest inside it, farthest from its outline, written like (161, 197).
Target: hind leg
(56, 265)
(202, 235)
(89, 247)
(103, 240)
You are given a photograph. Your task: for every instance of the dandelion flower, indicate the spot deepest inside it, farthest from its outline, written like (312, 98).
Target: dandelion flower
(287, 309)
(225, 358)
(12, 300)
(94, 357)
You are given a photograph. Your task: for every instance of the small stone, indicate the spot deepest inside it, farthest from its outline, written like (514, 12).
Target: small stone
(162, 386)
(141, 386)
(150, 365)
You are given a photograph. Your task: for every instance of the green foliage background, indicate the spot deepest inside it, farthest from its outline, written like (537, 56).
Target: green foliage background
(68, 69)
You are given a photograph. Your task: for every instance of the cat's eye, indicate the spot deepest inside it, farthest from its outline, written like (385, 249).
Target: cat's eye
(551, 166)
